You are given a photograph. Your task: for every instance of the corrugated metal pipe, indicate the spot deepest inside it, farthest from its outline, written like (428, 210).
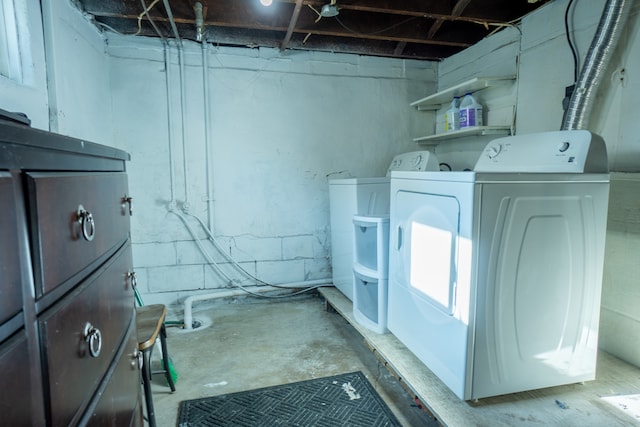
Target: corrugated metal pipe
(604, 41)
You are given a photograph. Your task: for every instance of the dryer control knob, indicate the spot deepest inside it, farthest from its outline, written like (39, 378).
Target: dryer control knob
(494, 150)
(564, 146)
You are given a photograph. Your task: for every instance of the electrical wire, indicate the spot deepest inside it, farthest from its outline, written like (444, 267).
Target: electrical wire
(226, 255)
(231, 259)
(212, 262)
(145, 11)
(391, 27)
(108, 27)
(571, 46)
(153, 24)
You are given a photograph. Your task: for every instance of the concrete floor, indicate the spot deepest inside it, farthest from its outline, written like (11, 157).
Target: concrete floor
(250, 343)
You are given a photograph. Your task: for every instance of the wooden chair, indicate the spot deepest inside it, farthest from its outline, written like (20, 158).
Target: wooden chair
(150, 325)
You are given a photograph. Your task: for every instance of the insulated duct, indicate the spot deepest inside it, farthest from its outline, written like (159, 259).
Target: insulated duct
(604, 41)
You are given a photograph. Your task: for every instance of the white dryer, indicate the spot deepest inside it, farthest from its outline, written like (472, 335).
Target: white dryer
(363, 196)
(495, 274)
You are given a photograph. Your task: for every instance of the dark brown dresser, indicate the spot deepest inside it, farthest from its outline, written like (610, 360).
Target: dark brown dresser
(68, 350)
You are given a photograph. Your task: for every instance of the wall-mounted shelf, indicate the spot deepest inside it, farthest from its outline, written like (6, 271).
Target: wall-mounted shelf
(472, 131)
(433, 102)
(437, 100)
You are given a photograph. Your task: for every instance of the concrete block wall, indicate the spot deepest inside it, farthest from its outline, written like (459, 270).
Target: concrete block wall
(263, 132)
(620, 316)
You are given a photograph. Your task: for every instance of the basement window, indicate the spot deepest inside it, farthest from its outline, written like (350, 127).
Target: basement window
(10, 62)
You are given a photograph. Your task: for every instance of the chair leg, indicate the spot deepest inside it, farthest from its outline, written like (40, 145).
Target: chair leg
(146, 381)
(165, 358)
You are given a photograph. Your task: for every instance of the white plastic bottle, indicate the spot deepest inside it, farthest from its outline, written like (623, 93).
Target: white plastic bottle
(452, 116)
(470, 112)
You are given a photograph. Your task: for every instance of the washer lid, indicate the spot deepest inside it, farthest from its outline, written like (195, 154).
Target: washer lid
(414, 161)
(569, 151)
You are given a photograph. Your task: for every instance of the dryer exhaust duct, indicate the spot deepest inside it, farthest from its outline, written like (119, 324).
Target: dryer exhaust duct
(602, 46)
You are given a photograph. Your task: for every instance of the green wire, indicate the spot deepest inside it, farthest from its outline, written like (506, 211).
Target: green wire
(138, 298)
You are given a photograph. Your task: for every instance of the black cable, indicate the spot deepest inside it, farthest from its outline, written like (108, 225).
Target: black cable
(568, 91)
(573, 50)
(375, 32)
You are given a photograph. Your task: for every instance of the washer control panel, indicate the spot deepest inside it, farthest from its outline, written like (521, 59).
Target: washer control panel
(573, 151)
(414, 161)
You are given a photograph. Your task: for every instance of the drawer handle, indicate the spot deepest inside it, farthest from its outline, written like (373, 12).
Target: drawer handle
(133, 278)
(129, 201)
(136, 359)
(85, 219)
(93, 337)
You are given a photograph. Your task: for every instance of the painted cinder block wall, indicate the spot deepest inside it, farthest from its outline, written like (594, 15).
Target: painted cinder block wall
(263, 133)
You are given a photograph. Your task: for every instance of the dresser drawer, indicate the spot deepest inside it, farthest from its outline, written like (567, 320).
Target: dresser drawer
(10, 288)
(75, 219)
(16, 394)
(77, 356)
(119, 405)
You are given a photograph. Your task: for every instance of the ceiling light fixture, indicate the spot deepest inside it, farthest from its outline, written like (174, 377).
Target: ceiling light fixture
(329, 10)
(266, 2)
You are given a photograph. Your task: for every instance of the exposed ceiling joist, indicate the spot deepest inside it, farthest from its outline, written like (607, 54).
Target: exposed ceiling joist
(419, 29)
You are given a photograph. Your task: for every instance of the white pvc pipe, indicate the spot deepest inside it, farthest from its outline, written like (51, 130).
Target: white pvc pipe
(188, 302)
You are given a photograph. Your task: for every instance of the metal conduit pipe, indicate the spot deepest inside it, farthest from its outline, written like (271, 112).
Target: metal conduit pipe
(188, 302)
(613, 18)
(153, 24)
(172, 21)
(183, 111)
(167, 68)
(207, 132)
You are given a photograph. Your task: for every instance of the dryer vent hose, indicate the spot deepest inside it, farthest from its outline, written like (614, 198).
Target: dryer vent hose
(604, 41)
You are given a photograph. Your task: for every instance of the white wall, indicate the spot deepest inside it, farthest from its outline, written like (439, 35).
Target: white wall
(77, 71)
(496, 56)
(279, 126)
(620, 307)
(28, 93)
(64, 87)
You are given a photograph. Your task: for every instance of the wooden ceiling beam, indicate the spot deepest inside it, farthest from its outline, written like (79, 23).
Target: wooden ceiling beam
(404, 11)
(252, 26)
(458, 8)
(451, 17)
(399, 48)
(292, 24)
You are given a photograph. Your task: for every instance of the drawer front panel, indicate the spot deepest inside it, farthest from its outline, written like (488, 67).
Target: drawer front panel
(10, 290)
(16, 393)
(121, 398)
(68, 239)
(106, 302)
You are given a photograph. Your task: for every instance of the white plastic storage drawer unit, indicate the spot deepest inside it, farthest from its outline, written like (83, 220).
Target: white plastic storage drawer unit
(370, 270)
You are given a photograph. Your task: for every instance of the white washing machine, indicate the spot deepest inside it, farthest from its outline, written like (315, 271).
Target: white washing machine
(495, 274)
(363, 196)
